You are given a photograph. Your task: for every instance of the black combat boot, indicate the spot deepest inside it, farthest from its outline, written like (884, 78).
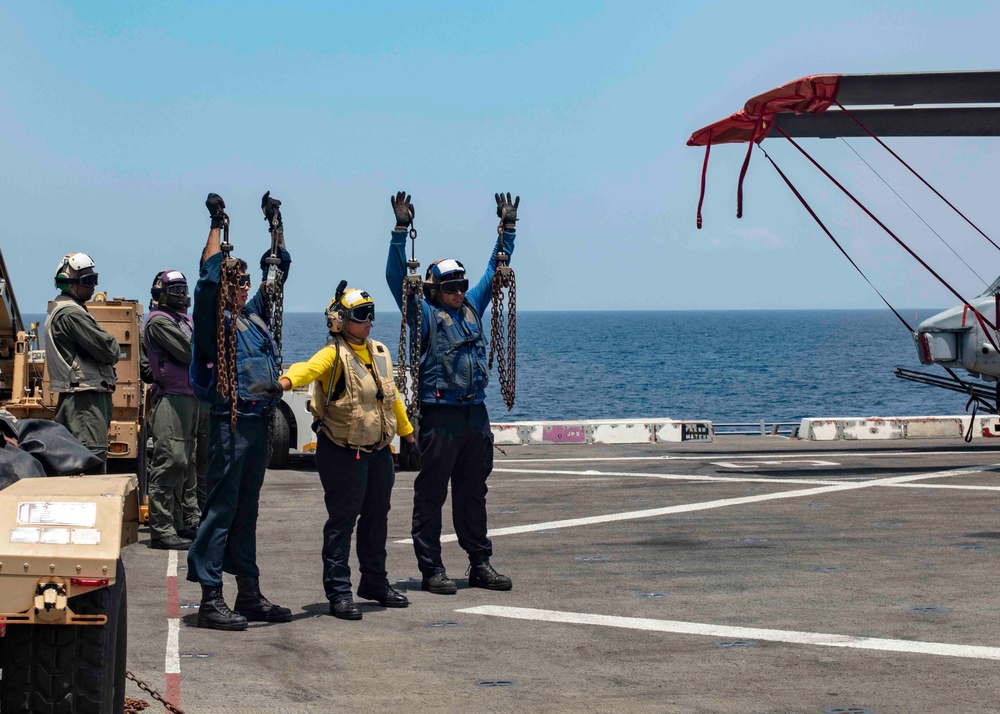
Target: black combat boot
(439, 584)
(384, 594)
(170, 542)
(252, 604)
(345, 609)
(215, 614)
(482, 575)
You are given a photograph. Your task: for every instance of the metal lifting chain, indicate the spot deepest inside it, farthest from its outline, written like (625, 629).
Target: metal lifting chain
(408, 371)
(503, 336)
(137, 705)
(275, 284)
(225, 364)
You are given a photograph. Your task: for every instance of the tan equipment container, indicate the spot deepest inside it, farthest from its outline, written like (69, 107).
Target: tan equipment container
(63, 603)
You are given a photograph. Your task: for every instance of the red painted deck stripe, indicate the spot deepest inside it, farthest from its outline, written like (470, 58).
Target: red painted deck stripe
(173, 603)
(173, 693)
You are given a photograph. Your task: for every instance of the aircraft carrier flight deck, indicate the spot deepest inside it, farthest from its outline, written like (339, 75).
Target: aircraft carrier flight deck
(747, 574)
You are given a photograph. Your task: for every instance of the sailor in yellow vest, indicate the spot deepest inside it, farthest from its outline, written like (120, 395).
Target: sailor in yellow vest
(358, 412)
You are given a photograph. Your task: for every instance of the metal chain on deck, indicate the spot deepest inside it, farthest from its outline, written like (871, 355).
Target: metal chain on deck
(408, 370)
(225, 365)
(503, 333)
(137, 705)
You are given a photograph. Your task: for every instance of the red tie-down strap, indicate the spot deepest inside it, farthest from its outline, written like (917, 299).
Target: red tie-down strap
(704, 174)
(982, 320)
(743, 171)
(914, 172)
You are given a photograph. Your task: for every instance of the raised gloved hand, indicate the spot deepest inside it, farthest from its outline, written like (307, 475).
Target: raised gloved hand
(403, 209)
(506, 210)
(271, 208)
(270, 390)
(409, 456)
(216, 209)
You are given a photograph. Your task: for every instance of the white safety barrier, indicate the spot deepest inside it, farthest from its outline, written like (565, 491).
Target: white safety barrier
(881, 428)
(602, 431)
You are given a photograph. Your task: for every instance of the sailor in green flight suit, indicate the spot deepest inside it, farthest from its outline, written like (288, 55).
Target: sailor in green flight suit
(174, 414)
(80, 357)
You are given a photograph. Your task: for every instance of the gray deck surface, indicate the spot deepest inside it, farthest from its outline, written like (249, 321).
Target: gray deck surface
(802, 538)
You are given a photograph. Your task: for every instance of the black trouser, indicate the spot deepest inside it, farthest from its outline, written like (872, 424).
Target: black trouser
(456, 444)
(354, 483)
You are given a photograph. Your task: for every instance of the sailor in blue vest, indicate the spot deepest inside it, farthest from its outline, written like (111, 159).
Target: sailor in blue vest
(173, 420)
(227, 538)
(456, 443)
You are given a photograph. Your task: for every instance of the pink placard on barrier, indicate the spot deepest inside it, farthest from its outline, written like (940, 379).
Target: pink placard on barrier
(564, 434)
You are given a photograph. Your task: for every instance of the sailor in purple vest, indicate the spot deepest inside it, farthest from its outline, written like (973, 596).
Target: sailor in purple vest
(173, 422)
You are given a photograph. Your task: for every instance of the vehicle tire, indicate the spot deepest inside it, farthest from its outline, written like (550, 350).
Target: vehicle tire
(76, 669)
(280, 440)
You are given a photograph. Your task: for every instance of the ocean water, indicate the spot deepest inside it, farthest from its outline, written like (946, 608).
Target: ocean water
(726, 366)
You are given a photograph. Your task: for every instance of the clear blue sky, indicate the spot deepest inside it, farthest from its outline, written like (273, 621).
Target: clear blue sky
(117, 118)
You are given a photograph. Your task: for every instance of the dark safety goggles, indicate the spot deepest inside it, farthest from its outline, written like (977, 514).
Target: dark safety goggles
(244, 280)
(178, 290)
(362, 313)
(89, 280)
(455, 286)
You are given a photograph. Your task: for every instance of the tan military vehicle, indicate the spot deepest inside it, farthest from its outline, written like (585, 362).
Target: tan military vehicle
(63, 606)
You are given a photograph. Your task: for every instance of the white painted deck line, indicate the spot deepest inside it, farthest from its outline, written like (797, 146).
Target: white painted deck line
(707, 505)
(675, 477)
(724, 456)
(172, 664)
(940, 649)
(944, 485)
(172, 659)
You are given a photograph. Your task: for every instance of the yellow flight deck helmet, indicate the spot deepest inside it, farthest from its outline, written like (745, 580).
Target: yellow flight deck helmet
(349, 304)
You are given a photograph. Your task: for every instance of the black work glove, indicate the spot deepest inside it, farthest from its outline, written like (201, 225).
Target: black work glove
(409, 456)
(216, 209)
(271, 390)
(403, 209)
(271, 208)
(507, 210)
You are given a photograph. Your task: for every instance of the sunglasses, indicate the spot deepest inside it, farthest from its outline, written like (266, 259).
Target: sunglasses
(89, 280)
(243, 281)
(455, 286)
(362, 313)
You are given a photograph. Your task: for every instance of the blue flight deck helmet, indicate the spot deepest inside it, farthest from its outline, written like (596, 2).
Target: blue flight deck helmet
(444, 270)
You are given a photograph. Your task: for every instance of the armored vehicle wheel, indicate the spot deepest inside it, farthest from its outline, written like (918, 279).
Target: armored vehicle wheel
(281, 438)
(77, 669)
